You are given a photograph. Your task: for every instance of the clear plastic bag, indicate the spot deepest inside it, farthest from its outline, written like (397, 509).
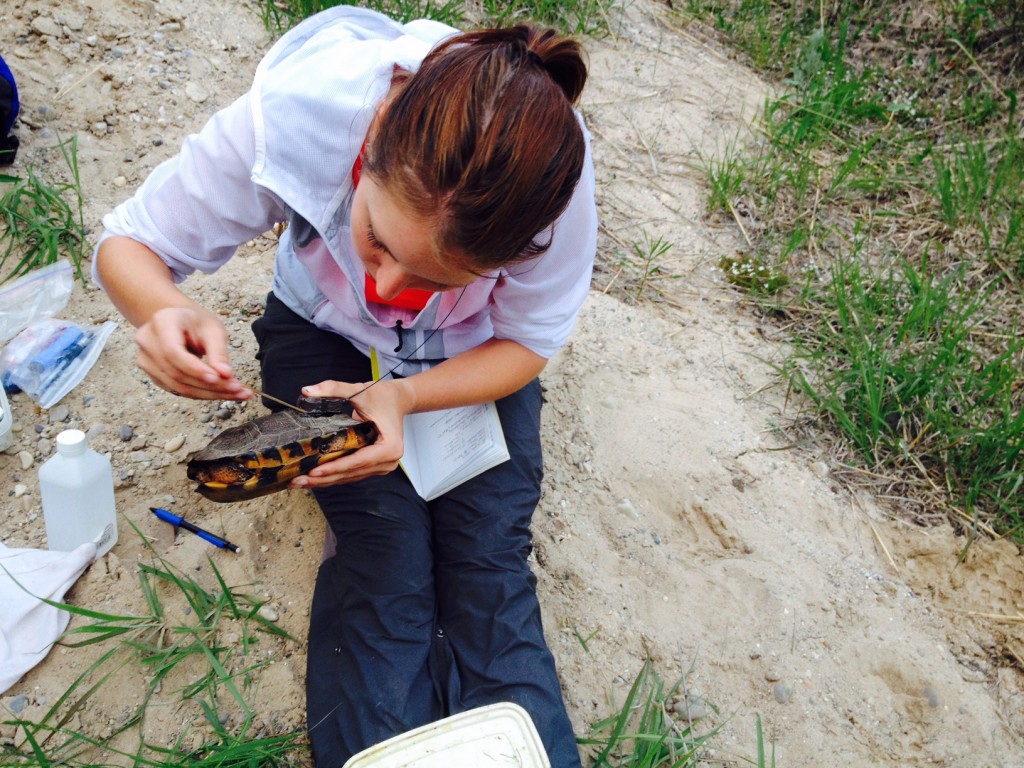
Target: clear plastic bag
(50, 357)
(46, 357)
(39, 294)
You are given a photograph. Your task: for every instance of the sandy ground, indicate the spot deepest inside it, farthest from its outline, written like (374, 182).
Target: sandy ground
(677, 521)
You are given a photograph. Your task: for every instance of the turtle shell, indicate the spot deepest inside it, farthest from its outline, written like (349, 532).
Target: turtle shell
(263, 455)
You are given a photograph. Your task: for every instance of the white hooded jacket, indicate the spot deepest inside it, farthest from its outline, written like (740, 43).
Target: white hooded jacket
(284, 152)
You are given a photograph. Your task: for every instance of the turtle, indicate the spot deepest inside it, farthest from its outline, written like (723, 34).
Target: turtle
(261, 456)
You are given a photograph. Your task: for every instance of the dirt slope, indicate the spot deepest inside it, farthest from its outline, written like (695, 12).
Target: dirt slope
(675, 520)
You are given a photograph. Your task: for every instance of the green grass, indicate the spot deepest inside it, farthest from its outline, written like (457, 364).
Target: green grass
(577, 17)
(41, 218)
(645, 732)
(640, 272)
(653, 728)
(582, 17)
(888, 190)
(896, 368)
(281, 15)
(157, 661)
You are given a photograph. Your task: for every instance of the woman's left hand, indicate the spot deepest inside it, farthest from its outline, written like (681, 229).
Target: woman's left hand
(385, 404)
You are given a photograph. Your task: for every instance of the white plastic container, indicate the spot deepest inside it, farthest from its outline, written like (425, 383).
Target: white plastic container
(6, 422)
(77, 487)
(495, 736)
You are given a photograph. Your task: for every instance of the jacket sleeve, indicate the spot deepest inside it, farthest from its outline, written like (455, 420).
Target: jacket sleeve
(196, 208)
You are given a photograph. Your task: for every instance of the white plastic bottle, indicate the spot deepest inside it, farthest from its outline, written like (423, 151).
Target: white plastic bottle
(77, 486)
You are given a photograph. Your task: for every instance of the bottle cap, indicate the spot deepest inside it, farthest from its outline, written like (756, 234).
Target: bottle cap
(71, 442)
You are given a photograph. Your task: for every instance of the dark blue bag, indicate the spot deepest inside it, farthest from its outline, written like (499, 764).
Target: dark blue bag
(8, 111)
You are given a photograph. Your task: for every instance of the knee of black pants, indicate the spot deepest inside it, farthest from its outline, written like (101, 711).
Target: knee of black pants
(371, 652)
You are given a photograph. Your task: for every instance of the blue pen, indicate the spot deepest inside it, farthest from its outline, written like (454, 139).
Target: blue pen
(180, 522)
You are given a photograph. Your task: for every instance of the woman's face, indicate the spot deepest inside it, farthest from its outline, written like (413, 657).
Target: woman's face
(396, 248)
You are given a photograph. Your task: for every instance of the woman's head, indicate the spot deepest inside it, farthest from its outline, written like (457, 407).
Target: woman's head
(482, 144)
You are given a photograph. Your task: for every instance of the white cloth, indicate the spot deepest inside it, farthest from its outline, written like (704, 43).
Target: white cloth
(284, 152)
(28, 626)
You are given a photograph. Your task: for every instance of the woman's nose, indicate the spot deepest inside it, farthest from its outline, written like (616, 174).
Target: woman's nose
(391, 280)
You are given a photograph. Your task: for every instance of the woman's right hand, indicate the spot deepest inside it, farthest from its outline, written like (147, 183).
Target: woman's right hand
(184, 349)
(182, 346)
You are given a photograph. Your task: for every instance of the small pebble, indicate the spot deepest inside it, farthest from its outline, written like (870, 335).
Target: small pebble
(174, 443)
(196, 92)
(932, 696)
(17, 703)
(782, 692)
(268, 613)
(626, 507)
(223, 413)
(45, 25)
(20, 490)
(698, 710)
(26, 459)
(690, 708)
(126, 433)
(59, 413)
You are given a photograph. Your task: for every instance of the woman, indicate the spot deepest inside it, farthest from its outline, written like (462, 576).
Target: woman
(439, 200)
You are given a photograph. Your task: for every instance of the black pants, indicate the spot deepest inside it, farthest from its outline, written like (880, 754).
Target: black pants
(427, 608)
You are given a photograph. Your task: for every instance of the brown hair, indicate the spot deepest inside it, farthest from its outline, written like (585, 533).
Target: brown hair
(482, 141)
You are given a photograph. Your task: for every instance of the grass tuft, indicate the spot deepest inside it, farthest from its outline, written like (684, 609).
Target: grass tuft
(41, 218)
(157, 662)
(646, 732)
(887, 190)
(580, 17)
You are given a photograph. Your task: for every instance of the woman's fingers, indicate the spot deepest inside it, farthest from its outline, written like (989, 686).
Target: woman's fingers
(371, 461)
(184, 350)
